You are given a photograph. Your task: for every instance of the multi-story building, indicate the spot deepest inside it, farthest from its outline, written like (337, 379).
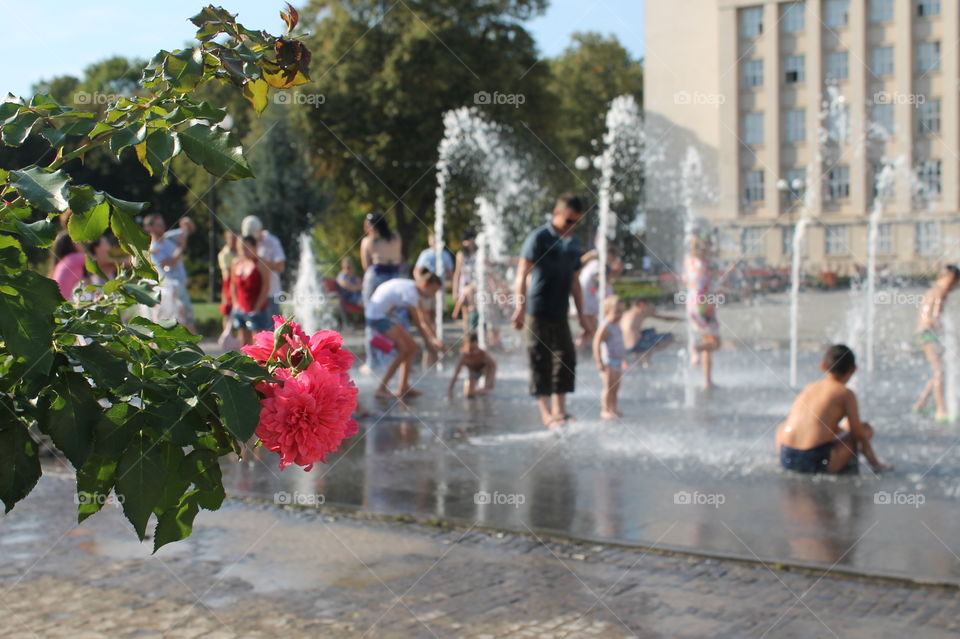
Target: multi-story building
(797, 106)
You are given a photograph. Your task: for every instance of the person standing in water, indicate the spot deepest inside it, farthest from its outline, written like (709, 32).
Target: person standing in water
(551, 259)
(381, 254)
(465, 284)
(610, 355)
(701, 306)
(928, 338)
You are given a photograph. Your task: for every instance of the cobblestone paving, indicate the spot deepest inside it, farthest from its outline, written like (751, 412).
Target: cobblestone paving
(258, 571)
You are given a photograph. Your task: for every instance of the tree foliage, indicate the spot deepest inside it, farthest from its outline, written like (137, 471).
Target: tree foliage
(136, 407)
(388, 73)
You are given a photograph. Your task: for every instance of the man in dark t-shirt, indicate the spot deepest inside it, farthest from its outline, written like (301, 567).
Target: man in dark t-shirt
(551, 257)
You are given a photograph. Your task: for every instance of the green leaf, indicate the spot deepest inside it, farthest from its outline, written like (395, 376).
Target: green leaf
(210, 148)
(184, 69)
(142, 294)
(128, 232)
(17, 212)
(45, 190)
(19, 462)
(11, 253)
(73, 417)
(239, 407)
(56, 136)
(83, 198)
(94, 268)
(184, 359)
(115, 429)
(127, 136)
(177, 523)
(256, 92)
(16, 129)
(99, 364)
(89, 225)
(156, 152)
(40, 234)
(141, 477)
(95, 480)
(26, 321)
(243, 365)
(202, 468)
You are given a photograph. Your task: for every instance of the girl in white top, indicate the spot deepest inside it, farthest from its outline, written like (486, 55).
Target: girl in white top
(390, 297)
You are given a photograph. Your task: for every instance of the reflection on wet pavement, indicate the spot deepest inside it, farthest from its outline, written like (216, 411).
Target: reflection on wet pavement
(703, 479)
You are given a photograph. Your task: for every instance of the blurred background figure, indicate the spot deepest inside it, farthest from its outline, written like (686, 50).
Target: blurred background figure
(68, 264)
(270, 252)
(381, 254)
(249, 291)
(225, 259)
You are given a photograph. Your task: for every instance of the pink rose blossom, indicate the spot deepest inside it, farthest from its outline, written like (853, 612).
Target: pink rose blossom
(306, 414)
(305, 418)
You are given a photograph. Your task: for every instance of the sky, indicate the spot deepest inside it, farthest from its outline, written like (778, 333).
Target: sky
(72, 35)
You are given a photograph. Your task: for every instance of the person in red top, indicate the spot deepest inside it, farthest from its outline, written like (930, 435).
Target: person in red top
(249, 286)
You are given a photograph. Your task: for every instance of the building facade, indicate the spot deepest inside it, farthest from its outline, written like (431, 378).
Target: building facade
(801, 106)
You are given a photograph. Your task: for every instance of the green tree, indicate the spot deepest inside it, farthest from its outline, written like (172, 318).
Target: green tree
(387, 74)
(287, 195)
(583, 81)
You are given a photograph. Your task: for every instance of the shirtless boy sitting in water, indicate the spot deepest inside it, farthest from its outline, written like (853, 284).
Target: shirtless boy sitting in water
(812, 440)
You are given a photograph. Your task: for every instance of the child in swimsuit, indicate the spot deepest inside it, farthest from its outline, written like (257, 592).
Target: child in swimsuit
(701, 306)
(610, 353)
(479, 364)
(812, 440)
(927, 338)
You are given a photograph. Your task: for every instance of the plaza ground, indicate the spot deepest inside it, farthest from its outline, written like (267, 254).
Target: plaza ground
(254, 571)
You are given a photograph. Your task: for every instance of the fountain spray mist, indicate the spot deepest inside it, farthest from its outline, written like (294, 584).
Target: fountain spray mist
(309, 301)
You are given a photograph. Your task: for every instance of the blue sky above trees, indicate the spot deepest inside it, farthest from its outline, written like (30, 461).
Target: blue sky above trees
(85, 32)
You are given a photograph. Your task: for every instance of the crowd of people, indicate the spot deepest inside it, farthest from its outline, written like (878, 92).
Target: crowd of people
(822, 433)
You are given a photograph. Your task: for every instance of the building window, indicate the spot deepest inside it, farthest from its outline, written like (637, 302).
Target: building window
(928, 178)
(928, 56)
(885, 239)
(793, 17)
(881, 117)
(927, 238)
(928, 8)
(835, 240)
(838, 183)
(928, 116)
(751, 22)
(751, 242)
(837, 68)
(753, 186)
(836, 13)
(786, 240)
(752, 73)
(795, 129)
(881, 63)
(881, 11)
(753, 129)
(793, 68)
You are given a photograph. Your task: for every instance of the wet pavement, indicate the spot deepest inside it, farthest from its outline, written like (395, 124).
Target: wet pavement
(258, 571)
(701, 479)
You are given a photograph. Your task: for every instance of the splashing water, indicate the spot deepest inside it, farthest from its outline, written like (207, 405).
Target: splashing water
(309, 301)
(691, 171)
(481, 148)
(624, 145)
